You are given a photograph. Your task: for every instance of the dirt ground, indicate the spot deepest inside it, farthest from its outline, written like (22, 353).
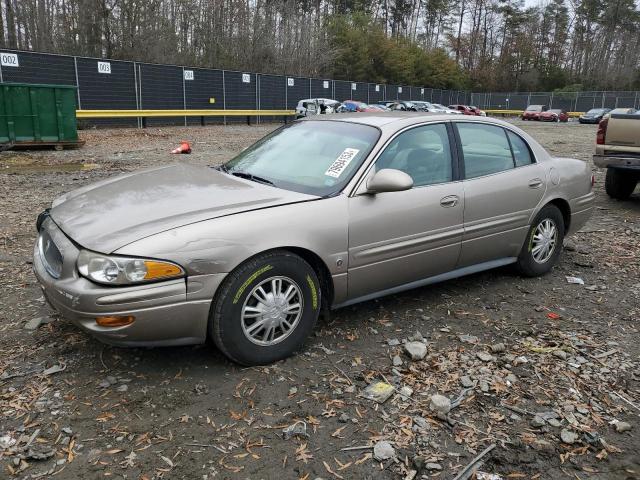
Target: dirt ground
(543, 372)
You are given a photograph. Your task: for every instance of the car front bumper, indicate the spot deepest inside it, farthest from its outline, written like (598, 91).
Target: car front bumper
(172, 312)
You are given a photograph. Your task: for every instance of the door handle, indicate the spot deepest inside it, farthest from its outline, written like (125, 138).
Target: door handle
(535, 183)
(450, 201)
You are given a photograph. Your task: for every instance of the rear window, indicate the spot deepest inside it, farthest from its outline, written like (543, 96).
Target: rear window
(485, 149)
(521, 153)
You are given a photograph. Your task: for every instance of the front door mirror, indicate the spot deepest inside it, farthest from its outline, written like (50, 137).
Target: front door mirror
(389, 180)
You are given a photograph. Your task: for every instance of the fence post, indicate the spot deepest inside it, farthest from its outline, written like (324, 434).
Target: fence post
(551, 101)
(135, 87)
(257, 96)
(575, 108)
(184, 97)
(635, 100)
(224, 97)
(602, 99)
(529, 99)
(309, 88)
(75, 66)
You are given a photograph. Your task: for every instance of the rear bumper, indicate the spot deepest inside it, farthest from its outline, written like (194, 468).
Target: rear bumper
(618, 161)
(165, 312)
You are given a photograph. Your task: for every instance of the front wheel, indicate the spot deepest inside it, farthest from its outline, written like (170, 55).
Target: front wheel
(265, 309)
(619, 184)
(543, 246)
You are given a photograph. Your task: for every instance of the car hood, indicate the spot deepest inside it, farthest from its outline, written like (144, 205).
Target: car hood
(112, 213)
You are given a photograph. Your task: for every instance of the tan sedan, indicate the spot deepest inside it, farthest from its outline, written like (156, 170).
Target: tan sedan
(322, 213)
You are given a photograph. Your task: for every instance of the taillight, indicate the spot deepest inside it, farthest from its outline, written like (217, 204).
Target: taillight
(602, 131)
(593, 180)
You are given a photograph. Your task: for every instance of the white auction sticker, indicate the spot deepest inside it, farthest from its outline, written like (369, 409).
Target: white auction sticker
(337, 167)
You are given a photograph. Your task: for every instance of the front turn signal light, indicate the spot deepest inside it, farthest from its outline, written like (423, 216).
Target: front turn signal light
(115, 321)
(157, 270)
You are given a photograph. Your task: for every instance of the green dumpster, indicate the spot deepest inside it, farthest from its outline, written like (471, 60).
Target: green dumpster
(34, 115)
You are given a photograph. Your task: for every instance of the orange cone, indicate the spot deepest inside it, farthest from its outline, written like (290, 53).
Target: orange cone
(183, 148)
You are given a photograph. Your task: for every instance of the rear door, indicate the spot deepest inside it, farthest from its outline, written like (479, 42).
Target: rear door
(502, 186)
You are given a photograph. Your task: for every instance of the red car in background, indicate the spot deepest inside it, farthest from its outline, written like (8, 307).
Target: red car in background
(554, 115)
(533, 112)
(477, 111)
(464, 109)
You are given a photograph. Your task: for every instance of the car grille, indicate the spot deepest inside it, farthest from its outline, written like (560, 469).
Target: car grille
(50, 254)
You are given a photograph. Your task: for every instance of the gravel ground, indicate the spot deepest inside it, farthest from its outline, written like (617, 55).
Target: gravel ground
(541, 376)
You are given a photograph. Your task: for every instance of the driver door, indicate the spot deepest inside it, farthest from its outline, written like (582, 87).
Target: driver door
(396, 238)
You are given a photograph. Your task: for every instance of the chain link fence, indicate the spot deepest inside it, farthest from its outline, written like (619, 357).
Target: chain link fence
(117, 84)
(569, 101)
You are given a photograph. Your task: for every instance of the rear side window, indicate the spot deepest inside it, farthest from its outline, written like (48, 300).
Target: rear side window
(521, 152)
(485, 149)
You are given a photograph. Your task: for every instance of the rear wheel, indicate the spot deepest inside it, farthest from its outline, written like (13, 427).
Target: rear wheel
(265, 309)
(543, 246)
(619, 184)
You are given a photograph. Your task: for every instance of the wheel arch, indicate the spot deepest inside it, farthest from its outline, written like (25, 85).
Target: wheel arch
(564, 208)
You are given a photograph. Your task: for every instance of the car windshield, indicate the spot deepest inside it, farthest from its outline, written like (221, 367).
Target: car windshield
(313, 157)
(596, 111)
(555, 111)
(534, 108)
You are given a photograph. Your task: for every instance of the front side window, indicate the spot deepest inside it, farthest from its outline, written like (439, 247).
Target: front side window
(314, 157)
(423, 153)
(485, 149)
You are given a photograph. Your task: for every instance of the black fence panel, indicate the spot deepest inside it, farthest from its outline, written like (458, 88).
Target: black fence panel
(404, 92)
(391, 92)
(342, 90)
(203, 90)
(297, 89)
(30, 67)
(376, 93)
(361, 92)
(240, 93)
(321, 88)
(272, 93)
(107, 85)
(161, 88)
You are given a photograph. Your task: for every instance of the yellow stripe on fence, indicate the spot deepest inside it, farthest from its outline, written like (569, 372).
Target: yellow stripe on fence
(182, 113)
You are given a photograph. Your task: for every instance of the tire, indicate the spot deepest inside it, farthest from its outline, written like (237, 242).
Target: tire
(619, 184)
(233, 336)
(532, 264)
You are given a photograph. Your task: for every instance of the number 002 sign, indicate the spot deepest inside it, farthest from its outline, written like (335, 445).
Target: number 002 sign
(9, 60)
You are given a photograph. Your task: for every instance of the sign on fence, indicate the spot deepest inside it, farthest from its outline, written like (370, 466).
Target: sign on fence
(9, 60)
(188, 75)
(104, 67)
(290, 82)
(246, 78)
(325, 84)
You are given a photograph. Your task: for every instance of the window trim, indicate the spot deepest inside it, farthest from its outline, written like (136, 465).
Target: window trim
(463, 173)
(453, 149)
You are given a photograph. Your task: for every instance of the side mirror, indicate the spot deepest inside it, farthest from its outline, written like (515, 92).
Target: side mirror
(389, 180)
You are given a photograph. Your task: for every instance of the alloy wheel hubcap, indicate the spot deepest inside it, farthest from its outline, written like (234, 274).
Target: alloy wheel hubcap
(544, 241)
(272, 311)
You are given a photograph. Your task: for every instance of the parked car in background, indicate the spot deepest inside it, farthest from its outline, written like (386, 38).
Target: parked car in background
(423, 106)
(405, 106)
(618, 150)
(622, 111)
(464, 109)
(379, 107)
(356, 106)
(594, 115)
(316, 106)
(446, 109)
(325, 212)
(553, 115)
(477, 111)
(532, 112)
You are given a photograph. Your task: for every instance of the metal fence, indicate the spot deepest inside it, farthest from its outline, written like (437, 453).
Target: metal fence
(117, 84)
(569, 101)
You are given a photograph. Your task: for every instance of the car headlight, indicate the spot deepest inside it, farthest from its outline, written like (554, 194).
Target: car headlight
(116, 270)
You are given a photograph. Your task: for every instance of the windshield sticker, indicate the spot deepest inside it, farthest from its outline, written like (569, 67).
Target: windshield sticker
(338, 166)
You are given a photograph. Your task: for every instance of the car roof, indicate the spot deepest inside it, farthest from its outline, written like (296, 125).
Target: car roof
(395, 121)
